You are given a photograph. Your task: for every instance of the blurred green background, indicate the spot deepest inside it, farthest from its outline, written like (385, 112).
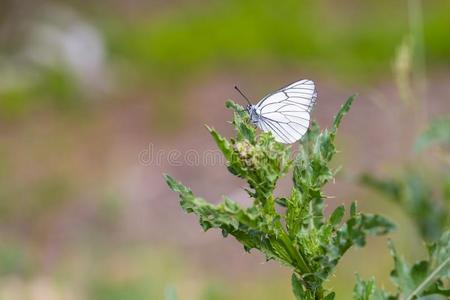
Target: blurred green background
(95, 95)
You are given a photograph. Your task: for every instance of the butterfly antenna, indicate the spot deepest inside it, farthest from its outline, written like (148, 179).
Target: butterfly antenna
(242, 94)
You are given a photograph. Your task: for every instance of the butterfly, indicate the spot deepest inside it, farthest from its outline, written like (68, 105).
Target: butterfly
(285, 113)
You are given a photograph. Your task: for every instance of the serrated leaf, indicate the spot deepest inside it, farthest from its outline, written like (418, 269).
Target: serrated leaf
(176, 186)
(222, 143)
(367, 290)
(376, 224)
(342, 111)
(363, 289)
(236, 108)
(354, 231)
(337, 215)
(424, 277)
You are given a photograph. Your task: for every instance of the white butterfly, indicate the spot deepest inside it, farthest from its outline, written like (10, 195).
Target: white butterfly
(285, 113)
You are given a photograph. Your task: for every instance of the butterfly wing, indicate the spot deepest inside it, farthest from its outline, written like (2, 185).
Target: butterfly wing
(286, 113)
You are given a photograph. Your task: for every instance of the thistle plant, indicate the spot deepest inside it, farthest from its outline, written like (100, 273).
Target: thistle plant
(424, 198)
(428, 210)
(425, 279)
(291, 230)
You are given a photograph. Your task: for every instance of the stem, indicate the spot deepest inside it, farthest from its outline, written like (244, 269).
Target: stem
(296, 255)
(319, 293)
(309, 293)
(427, 280)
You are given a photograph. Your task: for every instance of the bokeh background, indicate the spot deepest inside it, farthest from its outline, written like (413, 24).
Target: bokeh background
(95, 94)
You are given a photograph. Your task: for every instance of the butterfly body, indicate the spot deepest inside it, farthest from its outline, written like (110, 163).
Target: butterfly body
(286, 112)
(254, 113)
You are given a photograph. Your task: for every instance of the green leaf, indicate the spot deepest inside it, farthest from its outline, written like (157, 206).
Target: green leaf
(237, 109)
(354, 231)
(424, 277)
(245, 130)
(367, 290)
(401, 273)
(297, 288)
(222, 143)
(353, 209)
(364, 289)
(176, 186)
(281, 201)
(337, 215)
(342, 111)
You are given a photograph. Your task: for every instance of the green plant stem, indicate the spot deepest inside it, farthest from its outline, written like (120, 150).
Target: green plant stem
(428, 280)
(302, 266)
